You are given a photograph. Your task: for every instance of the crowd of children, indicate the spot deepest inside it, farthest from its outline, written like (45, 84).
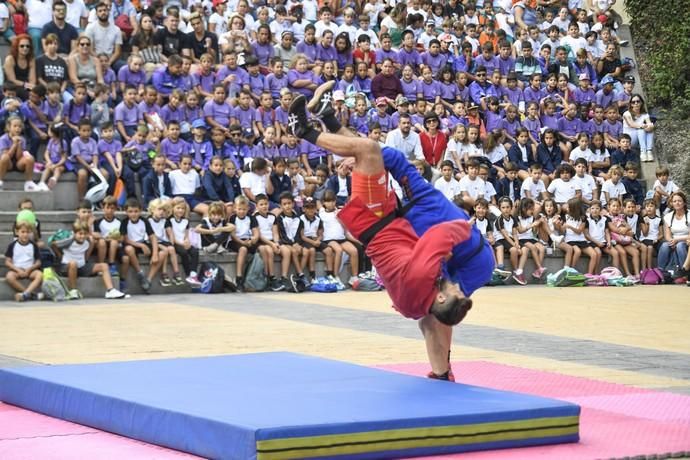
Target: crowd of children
(534, 127)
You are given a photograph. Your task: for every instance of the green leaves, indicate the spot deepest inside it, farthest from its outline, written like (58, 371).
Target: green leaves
(662, 29)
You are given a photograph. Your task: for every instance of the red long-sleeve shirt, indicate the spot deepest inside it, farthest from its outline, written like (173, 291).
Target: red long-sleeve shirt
(408, 265)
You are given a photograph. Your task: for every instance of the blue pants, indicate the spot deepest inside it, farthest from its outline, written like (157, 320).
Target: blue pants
(668, 258)
(469, 267)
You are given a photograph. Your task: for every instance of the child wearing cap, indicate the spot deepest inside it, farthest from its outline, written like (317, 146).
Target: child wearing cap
(584, 94)
(381, 115)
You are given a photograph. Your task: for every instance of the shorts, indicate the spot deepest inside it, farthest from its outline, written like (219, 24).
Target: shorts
(505, 244)
(323, 245)
(580, 244)
(372, 190)
(235, 247)
(527, 240)
(166, 244)
(652, 244)
(335, 241)
(138, 250)
(191, 200)
(84, 271)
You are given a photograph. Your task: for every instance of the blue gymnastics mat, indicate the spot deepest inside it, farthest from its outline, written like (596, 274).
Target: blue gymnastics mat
(285, 405)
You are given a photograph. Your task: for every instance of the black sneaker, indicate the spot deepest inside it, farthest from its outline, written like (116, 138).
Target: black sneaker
(680, 272)
(297, 117)
(320, 104)
(277, 285)
(287, 284)
(240, 285)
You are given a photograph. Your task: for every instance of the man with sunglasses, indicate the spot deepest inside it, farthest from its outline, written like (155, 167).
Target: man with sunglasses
(429, 257)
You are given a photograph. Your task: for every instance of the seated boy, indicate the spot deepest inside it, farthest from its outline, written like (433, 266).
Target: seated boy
(23, 261)
(73, 263)
(139, 238)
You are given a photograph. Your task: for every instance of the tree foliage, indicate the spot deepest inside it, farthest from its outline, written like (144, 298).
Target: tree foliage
(664, 28)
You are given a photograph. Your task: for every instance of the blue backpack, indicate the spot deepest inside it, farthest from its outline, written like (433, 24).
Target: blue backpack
(212, 278)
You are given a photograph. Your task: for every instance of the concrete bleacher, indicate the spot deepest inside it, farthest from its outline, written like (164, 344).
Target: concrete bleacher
(55, 210)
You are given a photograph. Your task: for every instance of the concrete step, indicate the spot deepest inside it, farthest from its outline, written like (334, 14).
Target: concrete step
(10, 199)
(93, 286)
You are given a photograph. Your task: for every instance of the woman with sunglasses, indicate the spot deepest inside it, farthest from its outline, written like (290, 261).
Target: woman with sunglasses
(638, 125)
(83, 66)
(20, 65)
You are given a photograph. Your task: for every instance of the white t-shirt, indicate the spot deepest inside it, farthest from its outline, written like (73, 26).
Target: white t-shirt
(450, 189)
(255, 183)
(579, 153)
(669, 188)
(76, 252)
(23, 255)
(570, 234)
(332, 228)
(587, 184)
(599, 155)
(614, 190)
(525, 222)
(597, 229)
(679, 227)
(184, 184)
(321, 27)
(475, 187)
(497, 154)
(563, 191)
(220, 22)
(654, 224)
(265, 224)
(535, 190)
(504, 224)
(179, 229)
(75, 11)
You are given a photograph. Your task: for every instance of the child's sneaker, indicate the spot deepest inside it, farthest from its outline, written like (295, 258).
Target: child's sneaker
(277, 285)
(211, 248)
(305, 280)
(221, 250)
(37, 296)
(538, 273)
(193, 280)
(165, 280)
(520, 279)
(115, 294)
(74, 294)
(500, 271)
(177, 280)
(22, 296)
(43, 187)
(145, 283)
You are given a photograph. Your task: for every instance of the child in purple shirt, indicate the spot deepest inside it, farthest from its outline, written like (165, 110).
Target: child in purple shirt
(429, 88)
(244, 114)
(174, 110)
(77, 108)
(127, 114)
(132, 74)
(277, 79)
(172, 147)
(265, 114)
(83, 156)
(217, 112)
(110, 152)
(56, 157)
(300, 79)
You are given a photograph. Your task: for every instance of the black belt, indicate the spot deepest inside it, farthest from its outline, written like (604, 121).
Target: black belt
(400, 211)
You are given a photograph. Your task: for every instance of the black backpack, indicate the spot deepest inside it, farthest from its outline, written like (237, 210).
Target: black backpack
(211, 277)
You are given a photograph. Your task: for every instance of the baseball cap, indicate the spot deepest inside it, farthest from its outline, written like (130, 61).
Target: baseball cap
(309, 202)
(445, 38)
(381, 101)
(247, 132)
(199, 123)
(629, 79)
(430, 22)
(608, 79)
(218, 2)
(338, 95)
(401, 100)
(583, 76)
